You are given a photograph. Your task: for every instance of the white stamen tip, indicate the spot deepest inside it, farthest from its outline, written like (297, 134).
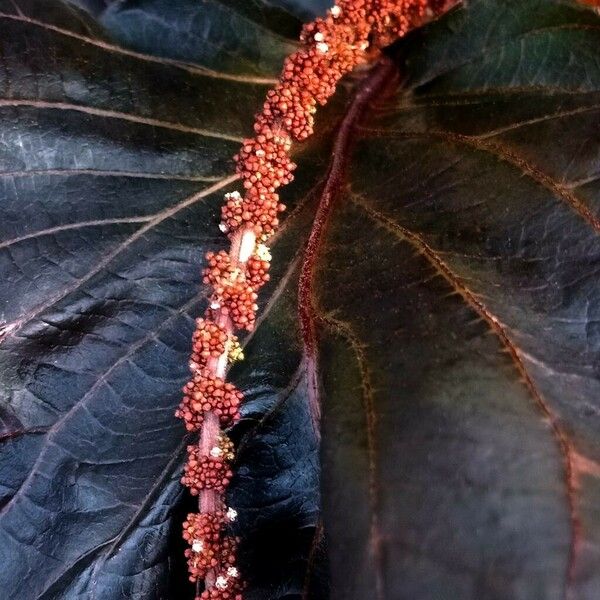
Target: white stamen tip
(232, 572)
(198, 546)
(262, 251)
(319, 37)
(221, 582)
(231, 514)
(215, 305)
(223, 227)
(322, 47)
(216, 451)
(335, 11)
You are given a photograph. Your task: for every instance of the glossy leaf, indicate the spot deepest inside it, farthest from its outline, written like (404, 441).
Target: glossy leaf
(112, 168)
(458, 291)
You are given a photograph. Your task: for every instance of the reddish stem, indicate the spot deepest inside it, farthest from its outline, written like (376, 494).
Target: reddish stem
(209, 500)
(383, 76)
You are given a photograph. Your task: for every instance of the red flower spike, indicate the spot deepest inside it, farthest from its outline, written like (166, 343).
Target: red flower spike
(330, 47)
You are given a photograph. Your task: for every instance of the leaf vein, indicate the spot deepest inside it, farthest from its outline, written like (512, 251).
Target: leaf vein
(192, 69)
(108, 173)
(10, 329)
(112, 114)
(81, 402)
(505, 154)
(565, 445)
(376, 539)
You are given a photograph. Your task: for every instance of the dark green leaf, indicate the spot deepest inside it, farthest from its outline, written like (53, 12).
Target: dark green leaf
(230, 35)
(112, 168)
(459, 296)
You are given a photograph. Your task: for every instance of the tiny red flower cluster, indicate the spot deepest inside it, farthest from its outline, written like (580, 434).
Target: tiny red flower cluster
(222, 591)
(330, 47)
(207, 393)
(212, 549)
(212, 472)
(205, 473)
(208, 341)
(234, 289)
(258, 271)
(219, 270)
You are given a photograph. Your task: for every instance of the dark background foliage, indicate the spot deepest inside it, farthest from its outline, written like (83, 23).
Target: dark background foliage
(457, 291)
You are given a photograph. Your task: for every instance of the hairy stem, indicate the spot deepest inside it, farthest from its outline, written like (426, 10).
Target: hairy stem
(383, 76)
